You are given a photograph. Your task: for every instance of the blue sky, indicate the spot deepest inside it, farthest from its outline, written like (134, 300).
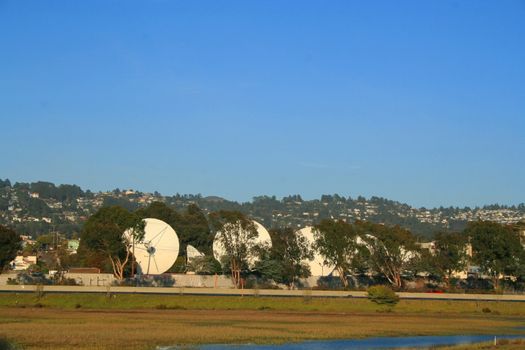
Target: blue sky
(418, 101)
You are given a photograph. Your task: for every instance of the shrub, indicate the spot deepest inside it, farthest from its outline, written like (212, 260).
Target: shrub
(382, 295)
(12, 282)
(169, 307)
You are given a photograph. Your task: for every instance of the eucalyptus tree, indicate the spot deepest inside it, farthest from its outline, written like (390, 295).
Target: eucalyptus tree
(236, 240)
(391, 250)
(110, 232)
(337, 242)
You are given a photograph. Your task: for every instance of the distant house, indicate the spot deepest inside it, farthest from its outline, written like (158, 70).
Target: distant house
(22, 263)
(430, 246)
(72, 245)
(27, 240)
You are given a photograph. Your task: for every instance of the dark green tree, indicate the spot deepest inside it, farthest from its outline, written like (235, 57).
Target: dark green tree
(450, 255)
(5, 183)
(110, 232)
(195, 230)
(191, 226)
(205, 265)
(159, 210)
(10, 244)
(496, 249)
(284, 262)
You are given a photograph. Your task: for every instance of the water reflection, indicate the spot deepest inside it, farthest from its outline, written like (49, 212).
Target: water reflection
(423, 342)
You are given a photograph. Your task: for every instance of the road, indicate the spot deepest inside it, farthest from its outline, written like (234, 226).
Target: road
(259, 292)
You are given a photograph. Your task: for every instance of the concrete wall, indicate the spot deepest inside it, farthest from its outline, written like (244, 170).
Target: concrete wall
(181, 280)
(91, 279)
(218, 281)
(5, 276)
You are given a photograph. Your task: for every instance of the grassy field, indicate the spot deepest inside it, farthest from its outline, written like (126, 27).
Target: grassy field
(133, 321)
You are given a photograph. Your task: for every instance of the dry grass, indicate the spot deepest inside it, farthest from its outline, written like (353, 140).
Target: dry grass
(145, 321)
(502, 344)
(144, 329)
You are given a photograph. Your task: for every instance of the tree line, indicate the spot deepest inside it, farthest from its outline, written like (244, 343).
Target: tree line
(386, 253)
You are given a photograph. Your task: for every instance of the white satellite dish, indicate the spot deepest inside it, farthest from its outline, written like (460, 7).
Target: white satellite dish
(192, 253)
(318, 267)
(159, 249)
(262, 238)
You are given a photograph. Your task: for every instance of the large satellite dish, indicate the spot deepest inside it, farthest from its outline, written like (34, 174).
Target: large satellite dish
(159, 249)
(318, 266)
(262, 238)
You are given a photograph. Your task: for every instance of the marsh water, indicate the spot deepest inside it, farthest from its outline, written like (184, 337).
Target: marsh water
(422, 342)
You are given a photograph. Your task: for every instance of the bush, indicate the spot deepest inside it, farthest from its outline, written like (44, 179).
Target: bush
(169, 307)
(12, 282)
(164, 280)
(382, 295)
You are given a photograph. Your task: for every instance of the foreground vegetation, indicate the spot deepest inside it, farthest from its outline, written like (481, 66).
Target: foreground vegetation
(502, 344)
(113, 301)
(93, 321)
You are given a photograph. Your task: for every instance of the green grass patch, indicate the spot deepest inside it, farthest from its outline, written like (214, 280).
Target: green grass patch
(188, 302)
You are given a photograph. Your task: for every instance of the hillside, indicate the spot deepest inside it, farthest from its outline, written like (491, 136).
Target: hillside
(42, 207)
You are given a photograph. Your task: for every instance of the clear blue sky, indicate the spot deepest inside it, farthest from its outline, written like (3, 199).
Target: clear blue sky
(418, 101)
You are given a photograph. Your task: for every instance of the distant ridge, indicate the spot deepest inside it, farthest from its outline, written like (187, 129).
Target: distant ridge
(40, 207)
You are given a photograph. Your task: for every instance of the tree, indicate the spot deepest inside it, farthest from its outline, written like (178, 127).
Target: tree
(5, 183)
(336, 241)
(123, 202)
(519, 228)
(10, 244)
(450, 255)
(204, 265)
(496, 249)
(191, 226)
(236, 235)
(110, 231)
(391, 250)
(284, 262)
(159, 210)
(194, 229)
